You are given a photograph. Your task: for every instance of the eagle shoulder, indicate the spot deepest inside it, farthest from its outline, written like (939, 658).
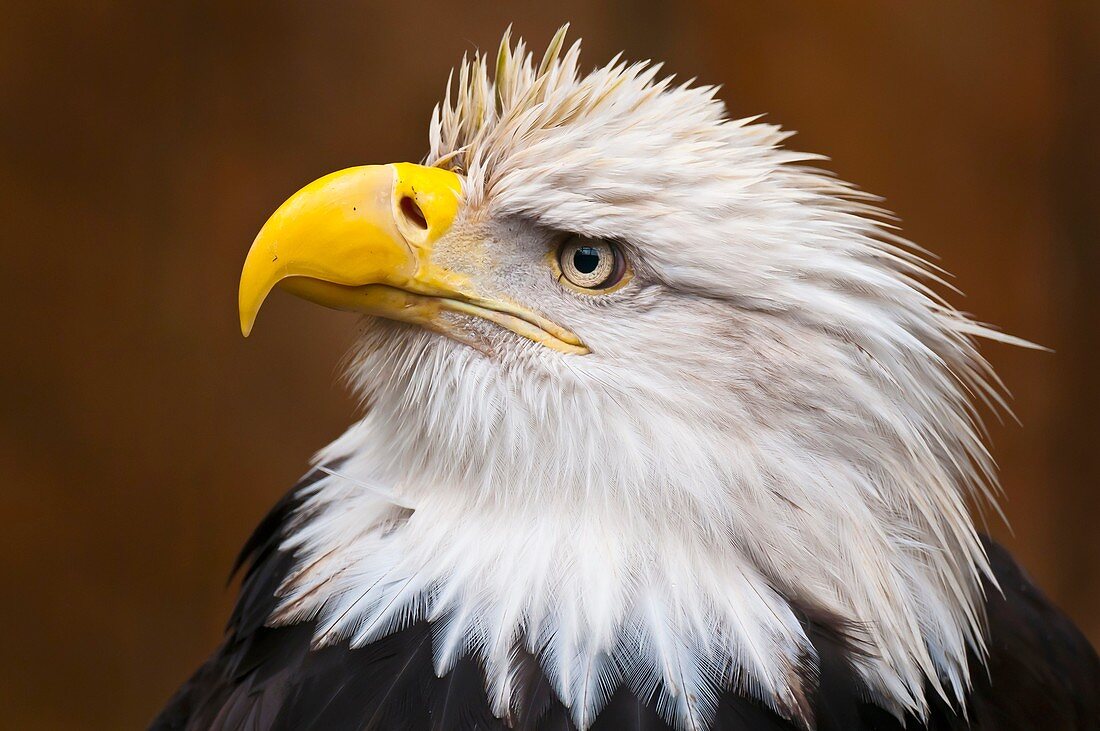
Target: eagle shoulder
(1041, 671)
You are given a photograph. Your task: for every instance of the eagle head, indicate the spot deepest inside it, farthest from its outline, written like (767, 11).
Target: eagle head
(642, 390)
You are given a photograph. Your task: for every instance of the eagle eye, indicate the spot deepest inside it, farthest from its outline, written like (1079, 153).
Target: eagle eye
(592, 264)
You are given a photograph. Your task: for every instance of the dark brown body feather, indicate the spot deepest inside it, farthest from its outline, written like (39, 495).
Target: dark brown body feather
(1041, 674)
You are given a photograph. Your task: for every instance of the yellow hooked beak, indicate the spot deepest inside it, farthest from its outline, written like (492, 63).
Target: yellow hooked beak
(361, 239)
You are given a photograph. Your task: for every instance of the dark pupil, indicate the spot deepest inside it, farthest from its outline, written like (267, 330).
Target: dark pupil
(586, 259)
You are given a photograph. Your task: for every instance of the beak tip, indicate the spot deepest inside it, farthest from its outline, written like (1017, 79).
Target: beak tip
(251, 296)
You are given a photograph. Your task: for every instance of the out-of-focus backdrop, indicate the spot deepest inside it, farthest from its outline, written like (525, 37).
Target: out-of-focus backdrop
(142, 145)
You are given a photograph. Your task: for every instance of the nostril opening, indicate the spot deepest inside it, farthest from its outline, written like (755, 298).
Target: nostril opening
(413, 212)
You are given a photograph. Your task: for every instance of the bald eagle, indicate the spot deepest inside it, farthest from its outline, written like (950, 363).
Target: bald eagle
(663, 427)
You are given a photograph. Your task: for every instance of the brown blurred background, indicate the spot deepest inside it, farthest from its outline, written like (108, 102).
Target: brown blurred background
(143, 144)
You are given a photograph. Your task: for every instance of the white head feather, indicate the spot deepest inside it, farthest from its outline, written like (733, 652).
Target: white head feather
(776, 415)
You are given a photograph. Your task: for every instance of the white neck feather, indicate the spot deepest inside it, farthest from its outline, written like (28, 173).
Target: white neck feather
(457, 499)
